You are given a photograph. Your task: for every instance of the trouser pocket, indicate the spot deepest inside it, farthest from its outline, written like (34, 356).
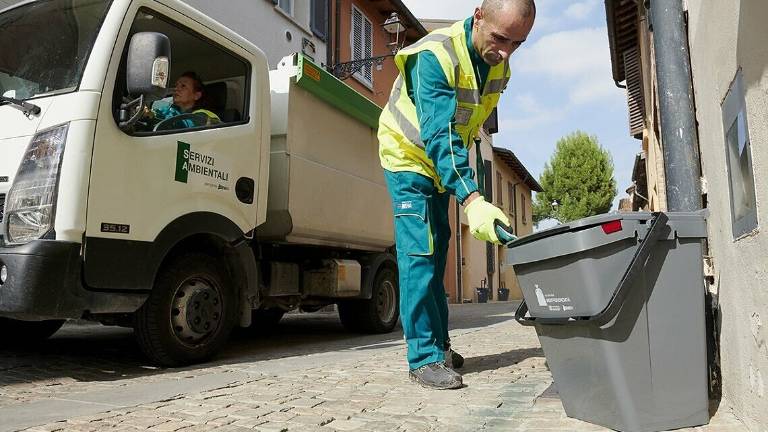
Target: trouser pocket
(413, 233)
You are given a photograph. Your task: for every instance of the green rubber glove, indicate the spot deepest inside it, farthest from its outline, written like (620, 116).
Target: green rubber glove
(481, 215)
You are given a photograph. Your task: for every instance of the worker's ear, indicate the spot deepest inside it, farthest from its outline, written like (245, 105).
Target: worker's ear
(198, 95)
(478, 15)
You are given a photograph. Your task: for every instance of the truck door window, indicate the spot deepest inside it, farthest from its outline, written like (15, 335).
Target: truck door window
(208, 86)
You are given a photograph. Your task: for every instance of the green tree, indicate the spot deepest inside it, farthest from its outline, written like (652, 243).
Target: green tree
(578, 178)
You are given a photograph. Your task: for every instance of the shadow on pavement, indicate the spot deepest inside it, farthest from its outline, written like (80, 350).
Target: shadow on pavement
(94, 353)
(498, 361)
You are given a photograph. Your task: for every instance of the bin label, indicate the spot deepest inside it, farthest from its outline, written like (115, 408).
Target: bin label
(552, 303)
(540, 297)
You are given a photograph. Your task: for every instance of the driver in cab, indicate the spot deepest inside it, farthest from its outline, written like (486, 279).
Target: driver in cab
(187, 97)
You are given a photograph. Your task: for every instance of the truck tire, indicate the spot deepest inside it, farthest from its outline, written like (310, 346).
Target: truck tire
(189, 314)
(379, 314)
(14, 332)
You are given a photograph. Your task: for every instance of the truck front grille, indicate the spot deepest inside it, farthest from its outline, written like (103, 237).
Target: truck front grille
(2, 206)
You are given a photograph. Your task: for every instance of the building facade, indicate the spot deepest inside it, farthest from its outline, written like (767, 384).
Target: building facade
(729, 65)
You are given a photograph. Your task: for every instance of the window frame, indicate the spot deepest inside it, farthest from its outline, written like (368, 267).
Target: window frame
(290, 5)
(734, 110)
(359, 75)
(247, 82)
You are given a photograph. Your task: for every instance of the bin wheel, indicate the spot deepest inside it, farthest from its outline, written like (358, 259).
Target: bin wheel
(379, 314)
(16, 332)
(190, 312)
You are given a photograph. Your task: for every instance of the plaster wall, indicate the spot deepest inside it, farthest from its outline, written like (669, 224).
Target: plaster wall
(725, 37)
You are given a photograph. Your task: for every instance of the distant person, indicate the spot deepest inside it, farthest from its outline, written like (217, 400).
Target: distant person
(187, 96)
(449, 83)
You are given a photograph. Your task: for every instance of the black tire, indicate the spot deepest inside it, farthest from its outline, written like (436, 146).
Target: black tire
(14, 332)
(380, 313)
(200, 285)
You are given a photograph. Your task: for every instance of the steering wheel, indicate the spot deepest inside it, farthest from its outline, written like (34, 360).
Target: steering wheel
(182, 121)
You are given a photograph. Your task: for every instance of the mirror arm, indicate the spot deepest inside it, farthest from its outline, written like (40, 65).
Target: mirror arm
(124, 109)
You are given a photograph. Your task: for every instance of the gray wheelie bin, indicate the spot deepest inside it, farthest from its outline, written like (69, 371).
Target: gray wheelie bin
(617, 301)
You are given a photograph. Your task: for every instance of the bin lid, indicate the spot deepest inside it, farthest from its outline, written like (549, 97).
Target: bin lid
(686, 224)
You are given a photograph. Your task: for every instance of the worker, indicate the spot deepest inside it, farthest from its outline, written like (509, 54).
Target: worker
(449, 82)
(188, 95)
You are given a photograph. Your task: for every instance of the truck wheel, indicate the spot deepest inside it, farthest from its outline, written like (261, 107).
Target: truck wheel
(380, 313)
(15, 332)
(190, 312)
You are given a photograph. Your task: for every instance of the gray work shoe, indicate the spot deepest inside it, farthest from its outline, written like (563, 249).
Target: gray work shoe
(453, 359)
(435, 376)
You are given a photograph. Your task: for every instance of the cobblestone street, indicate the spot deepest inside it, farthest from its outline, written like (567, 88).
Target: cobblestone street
(307, 375)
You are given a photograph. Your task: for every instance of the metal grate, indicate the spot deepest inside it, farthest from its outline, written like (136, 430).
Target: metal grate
(2, 206)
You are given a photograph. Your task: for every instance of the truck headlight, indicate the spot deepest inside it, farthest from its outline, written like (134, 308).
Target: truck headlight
(31, 202)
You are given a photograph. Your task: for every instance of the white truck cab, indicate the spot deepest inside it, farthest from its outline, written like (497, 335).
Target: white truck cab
(264, 197)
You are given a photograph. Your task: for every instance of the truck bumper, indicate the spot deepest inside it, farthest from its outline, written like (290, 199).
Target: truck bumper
(44, 282)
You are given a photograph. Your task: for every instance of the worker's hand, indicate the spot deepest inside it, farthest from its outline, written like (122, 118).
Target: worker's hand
(481, 215)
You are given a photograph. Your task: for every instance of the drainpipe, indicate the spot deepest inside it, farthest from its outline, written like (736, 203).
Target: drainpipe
(337, 35)
(678, 117)
(328, 37)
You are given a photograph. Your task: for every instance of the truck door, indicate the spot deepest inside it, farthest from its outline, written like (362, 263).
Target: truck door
(184, 168)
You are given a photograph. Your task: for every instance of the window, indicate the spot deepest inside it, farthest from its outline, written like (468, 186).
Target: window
(487, 179)
(739, 160)
(362, 45)
(221, 99)
(286, 6)
(522, 209)
(318, 21)
(499, 191)
(511, 196)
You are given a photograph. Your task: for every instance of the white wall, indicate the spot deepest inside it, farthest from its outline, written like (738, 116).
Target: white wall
(266, 26)
(725, 36)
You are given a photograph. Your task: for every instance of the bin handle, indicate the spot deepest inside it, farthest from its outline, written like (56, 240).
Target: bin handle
(619, 295)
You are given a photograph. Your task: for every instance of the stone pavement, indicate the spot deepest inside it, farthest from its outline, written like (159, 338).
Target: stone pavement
(351, 387)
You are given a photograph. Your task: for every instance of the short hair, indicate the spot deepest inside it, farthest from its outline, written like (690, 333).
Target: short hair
(526, 7)
(198, 82)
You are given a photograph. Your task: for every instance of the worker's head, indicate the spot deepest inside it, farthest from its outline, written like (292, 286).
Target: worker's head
(500, 27)
(188, 91)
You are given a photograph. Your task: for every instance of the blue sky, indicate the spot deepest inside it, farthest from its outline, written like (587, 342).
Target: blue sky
(561, 82)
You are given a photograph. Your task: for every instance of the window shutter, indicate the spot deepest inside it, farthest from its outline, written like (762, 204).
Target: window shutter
(499, 192)
(368, 49)
(491, 125)
(511, 198)
(362, 44)
(319, 19)
(488, 181)
(635, 98)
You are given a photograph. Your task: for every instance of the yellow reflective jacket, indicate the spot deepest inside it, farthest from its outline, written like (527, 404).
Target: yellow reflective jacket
(400, 145)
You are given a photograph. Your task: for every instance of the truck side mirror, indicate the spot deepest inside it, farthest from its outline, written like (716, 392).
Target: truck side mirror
(149, 60)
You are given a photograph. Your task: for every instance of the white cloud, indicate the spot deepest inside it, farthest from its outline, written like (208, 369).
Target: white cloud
(536, 114)
(580, 10)
(566, 54)
(577, 60)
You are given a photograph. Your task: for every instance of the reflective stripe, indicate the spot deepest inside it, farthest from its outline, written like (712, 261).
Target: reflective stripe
(470, 96)
(495, 86)
(410, 131)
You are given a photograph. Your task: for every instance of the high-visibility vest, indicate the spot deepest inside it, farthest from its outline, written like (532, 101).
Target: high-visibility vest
(400, 144)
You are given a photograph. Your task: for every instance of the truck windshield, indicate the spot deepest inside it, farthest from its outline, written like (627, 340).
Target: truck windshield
(45, 45)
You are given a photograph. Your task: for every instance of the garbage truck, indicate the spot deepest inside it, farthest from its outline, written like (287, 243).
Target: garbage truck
(270, 201)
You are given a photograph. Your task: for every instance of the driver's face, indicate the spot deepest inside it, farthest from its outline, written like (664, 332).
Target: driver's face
(184, 95)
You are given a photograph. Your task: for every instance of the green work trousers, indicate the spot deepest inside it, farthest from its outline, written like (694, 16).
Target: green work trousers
(422, 233)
